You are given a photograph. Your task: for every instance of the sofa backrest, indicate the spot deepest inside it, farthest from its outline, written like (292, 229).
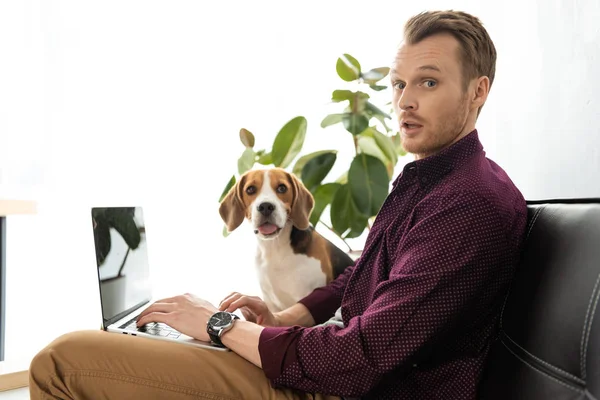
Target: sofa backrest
(549, 343)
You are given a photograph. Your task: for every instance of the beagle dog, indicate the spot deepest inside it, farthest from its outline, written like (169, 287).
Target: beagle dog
(292, 258)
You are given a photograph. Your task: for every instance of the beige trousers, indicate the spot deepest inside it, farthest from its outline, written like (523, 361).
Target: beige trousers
(101, 365)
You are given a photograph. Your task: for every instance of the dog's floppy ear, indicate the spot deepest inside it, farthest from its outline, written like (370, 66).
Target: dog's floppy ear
(302, 204)
(232, 208)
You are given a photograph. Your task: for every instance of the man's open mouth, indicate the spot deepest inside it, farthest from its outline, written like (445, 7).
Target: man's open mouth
(411, 126)
(267, 229)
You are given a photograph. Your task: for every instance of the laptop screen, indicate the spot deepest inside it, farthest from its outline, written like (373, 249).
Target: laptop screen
(121, 259)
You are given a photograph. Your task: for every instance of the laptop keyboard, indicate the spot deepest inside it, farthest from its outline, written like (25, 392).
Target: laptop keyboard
(152, 328)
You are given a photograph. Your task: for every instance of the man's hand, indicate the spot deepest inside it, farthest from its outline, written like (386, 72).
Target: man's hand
(253, 308)
(186, 313)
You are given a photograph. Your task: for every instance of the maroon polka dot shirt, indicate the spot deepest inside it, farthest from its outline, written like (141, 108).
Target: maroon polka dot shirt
(421, 306)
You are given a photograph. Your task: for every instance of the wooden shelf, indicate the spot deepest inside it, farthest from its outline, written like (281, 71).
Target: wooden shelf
(13, 375)
(12, 207)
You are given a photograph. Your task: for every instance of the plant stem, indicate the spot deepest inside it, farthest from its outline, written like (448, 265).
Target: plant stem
(331, 229)
(123, 263)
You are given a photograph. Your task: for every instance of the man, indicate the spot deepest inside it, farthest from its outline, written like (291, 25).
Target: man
(420, 308)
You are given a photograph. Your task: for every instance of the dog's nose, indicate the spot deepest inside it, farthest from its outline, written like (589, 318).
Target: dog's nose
(266, 209)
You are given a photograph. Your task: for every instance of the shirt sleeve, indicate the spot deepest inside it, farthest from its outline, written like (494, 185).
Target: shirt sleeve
(324, 301)
(450, 264)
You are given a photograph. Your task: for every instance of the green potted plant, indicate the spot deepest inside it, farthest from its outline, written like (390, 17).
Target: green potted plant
(355, 197)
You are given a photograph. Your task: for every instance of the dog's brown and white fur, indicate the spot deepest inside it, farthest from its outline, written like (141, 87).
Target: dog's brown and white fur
(292, 259)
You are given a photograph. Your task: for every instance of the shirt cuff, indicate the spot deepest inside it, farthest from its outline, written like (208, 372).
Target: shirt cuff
(277, 349)
(321, 304)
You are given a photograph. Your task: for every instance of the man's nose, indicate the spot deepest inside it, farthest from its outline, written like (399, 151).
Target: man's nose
(266, 208)
(407, 101)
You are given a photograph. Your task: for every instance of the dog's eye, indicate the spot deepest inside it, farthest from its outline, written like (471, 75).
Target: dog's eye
(251, 190)
(281, 188)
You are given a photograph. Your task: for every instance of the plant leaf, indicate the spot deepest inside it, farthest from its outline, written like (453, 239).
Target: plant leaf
(381, 119)
(348, 68)
(227, 188)
(246, 137)
(357, 229)
(297, 170)
(369, 183)
(368, 145)
(225, 232)
(289, 142)
(378, 88)
(323, 196)
(376, 144)
(355, 123)
(373, 110)
(397, 140)
(343, 178)
(341, 95)
(359, 102)
(376, 74)
(380, 115)
(357, 99)
(316, 169)
(331, 119)
(246, 160)
(265, 159)
(345, 214)
(386, 145)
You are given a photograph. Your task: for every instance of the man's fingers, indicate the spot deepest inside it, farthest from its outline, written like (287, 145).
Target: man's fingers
(157, 307)
(165, 318)
(248, 314)
(237, 302)
(224, 304)
(255, 304)
(173, 299)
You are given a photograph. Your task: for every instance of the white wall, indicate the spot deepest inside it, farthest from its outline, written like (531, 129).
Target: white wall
(140, 103)
(545, 127)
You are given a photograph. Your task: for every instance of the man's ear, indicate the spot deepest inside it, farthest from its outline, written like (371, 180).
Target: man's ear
(480, 94)
(302, 204)
(232, 208)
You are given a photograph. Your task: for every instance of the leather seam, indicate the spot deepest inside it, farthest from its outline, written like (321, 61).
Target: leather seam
(576, 389)
(576, 378)
(589, 395)
(535, 217)
(587, 327)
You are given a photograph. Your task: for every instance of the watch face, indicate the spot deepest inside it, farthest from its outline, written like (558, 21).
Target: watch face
(220, 319)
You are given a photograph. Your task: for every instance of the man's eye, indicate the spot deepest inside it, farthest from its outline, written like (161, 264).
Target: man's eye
(281, 189)
(251, 190)
(399, 85)
(430, 83)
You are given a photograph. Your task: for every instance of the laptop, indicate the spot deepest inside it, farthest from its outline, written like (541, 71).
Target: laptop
(124, 275)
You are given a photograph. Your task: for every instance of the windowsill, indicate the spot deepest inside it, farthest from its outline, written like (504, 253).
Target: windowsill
(14, 374)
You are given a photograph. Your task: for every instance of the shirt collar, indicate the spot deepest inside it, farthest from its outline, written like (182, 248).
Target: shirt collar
(431, 169)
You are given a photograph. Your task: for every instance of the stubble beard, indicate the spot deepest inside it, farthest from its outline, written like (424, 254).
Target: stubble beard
(445, 132)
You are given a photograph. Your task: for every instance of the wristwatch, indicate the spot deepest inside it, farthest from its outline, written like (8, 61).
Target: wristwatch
(219, 323)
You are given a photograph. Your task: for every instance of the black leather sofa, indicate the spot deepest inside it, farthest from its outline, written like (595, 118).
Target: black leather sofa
(549, 342)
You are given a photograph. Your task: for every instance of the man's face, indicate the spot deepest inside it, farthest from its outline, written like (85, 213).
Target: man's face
(433, 109)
